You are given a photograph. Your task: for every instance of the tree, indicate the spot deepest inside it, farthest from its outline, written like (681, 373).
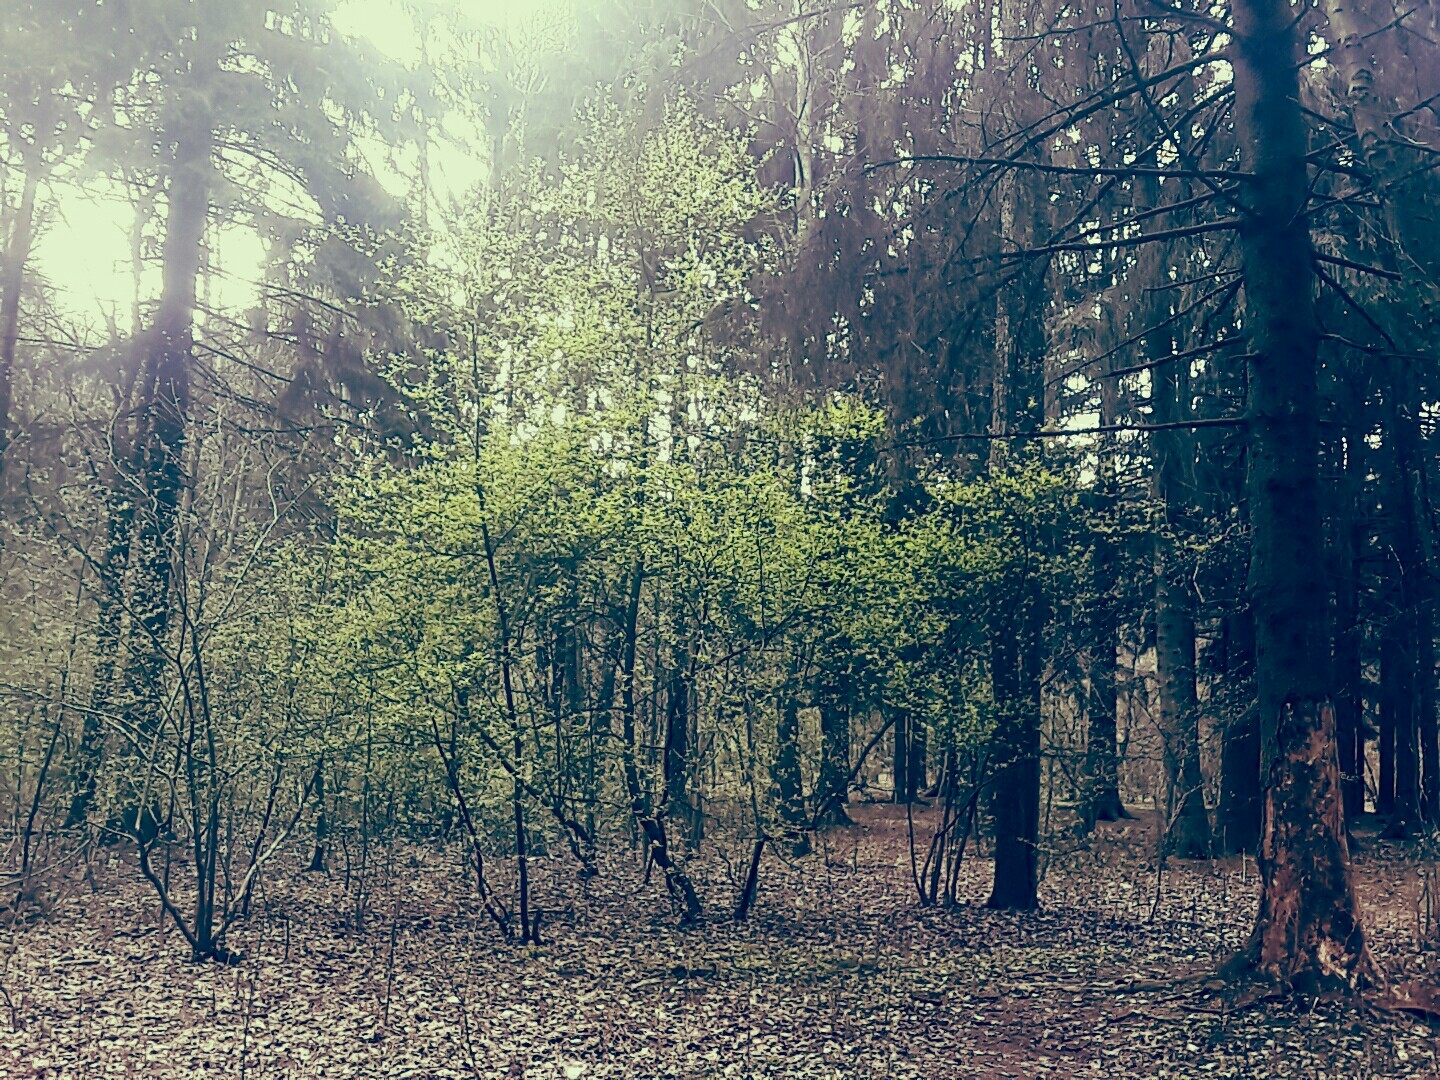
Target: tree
(1308, 932)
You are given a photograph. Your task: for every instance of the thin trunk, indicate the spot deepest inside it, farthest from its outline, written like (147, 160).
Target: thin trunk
(677, 753)
(164, 413)
(1401, 685)
(1348, 633)
(1017, 625)
(833, 790)
(529, 931)
(677, 882)
(12, 283)
(1015, 801)
(1102, 757)
(320, 856)
(900, 759)
(789, 790)
(1398, 699)
(1188, 826)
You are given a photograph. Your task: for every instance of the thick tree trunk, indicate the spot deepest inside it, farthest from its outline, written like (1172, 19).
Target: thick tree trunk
(110, 614)
(1238, 817)
(1308, 932)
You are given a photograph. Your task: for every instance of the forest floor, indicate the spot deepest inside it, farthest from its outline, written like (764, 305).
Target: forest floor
(838, 973)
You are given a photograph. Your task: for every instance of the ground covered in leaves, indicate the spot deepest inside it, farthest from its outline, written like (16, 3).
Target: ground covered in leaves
(838, 973)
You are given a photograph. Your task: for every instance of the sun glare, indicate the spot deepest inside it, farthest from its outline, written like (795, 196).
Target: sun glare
(85, 251)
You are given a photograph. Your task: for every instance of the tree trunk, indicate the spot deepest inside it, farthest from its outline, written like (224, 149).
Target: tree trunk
(1188, 826)
(319, 857)
(12, 283)
(1308, 932)
(1238, 817)
(833, 792)
(1102, 758)
(789, 792)
(1401, 686)
(677, 882)
(677, 754)
(1348, 632)
(1425, 720)
(911, 752)
(1015, 801)
(917, 766)
(1017, 625)
(164, 412)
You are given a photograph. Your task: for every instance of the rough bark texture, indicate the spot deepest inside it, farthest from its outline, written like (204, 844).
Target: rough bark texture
(1308, 932)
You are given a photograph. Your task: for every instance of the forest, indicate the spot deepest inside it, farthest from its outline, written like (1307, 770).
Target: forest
(719, 538)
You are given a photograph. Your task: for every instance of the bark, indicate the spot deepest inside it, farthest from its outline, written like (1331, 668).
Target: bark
(1401, 677)
(909, 760)
(1015, 802)
(785, 772)
(320, 856)
(1017, 626)
(1102, 757)
(12, 283)
(1348, 634)
(833, 792)
(1308, 932)
(1238, 816)
(1188, 824)
(1188, 832)
(677, 755)
(165, 412)
(677, 882)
